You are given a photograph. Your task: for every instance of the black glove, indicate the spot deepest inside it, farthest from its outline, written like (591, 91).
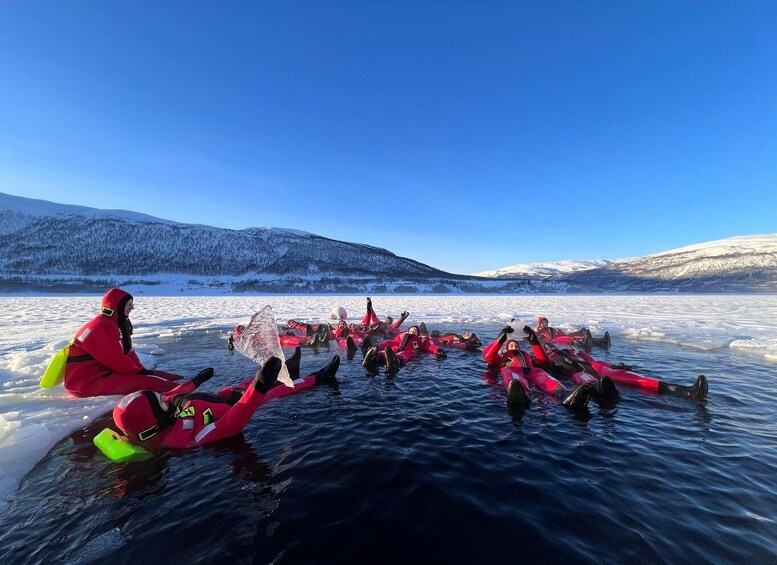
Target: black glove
(267, 375)
(440, 354)
(145, 371)
(502, 337)
(531, 335)
(472, 347)
(369, 304)
(203, 376)
(403, 316)
(404, 341)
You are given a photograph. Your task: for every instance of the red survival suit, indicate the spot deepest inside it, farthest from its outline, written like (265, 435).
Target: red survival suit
(457, 341)
(200, 418)
(548, 333)
(101, 360)
(406, 344)
(519, 365)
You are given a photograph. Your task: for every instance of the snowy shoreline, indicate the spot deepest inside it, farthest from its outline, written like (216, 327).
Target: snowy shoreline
(33, 328)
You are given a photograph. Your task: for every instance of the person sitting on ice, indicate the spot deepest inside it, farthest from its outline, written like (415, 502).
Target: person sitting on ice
(581, 337)
(101, 360)
(183, 418)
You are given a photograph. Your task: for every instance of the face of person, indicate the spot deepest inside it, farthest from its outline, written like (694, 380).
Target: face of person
(512, 346)
(128, 307)
(413, 331)
(388, 321)
(342, 324)
(544, 323)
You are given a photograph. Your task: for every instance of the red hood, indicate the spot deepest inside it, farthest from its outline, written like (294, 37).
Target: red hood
(114, 302)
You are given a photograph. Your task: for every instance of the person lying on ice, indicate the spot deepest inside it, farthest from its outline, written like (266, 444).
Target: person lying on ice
(518, 368)
(581, 337)
(101, 360)
(397, 352)
(183, 418)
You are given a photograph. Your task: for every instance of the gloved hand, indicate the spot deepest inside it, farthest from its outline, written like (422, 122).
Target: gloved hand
(369, 304)
(531, 335)
(503, 334)
(145, 371)
(203, 376)
(267, 375)
(403, 316)
(440, 354)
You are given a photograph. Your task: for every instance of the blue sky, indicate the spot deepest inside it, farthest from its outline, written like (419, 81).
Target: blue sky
(466, 135)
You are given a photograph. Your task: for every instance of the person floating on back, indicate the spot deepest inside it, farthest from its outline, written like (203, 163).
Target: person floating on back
(581, 338)
(183, 418)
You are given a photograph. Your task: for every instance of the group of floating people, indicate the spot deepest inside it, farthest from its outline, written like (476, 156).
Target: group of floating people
(165, 410)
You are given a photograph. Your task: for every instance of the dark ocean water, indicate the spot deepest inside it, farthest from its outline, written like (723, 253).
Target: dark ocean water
(430, 465)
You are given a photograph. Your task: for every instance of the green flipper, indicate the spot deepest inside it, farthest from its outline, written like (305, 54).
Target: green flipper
(55, 372)
(117, 448)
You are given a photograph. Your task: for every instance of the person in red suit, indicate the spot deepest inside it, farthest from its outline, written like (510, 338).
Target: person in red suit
(101, 360)
(183, 418)
(518, 368)
(397, 352)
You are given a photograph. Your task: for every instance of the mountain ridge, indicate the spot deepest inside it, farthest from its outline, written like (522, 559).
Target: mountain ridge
(46, 246)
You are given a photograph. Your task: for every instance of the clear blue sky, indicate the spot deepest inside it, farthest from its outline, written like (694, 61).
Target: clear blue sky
(466, 135)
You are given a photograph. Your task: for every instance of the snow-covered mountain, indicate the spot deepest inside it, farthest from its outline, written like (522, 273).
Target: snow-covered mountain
(47, 246)
(543, 270)
(736, 264)
(55, 247)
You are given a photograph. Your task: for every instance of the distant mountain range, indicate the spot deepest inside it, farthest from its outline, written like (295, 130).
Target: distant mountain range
(543, 270)
(63, 248)
(738, 264)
